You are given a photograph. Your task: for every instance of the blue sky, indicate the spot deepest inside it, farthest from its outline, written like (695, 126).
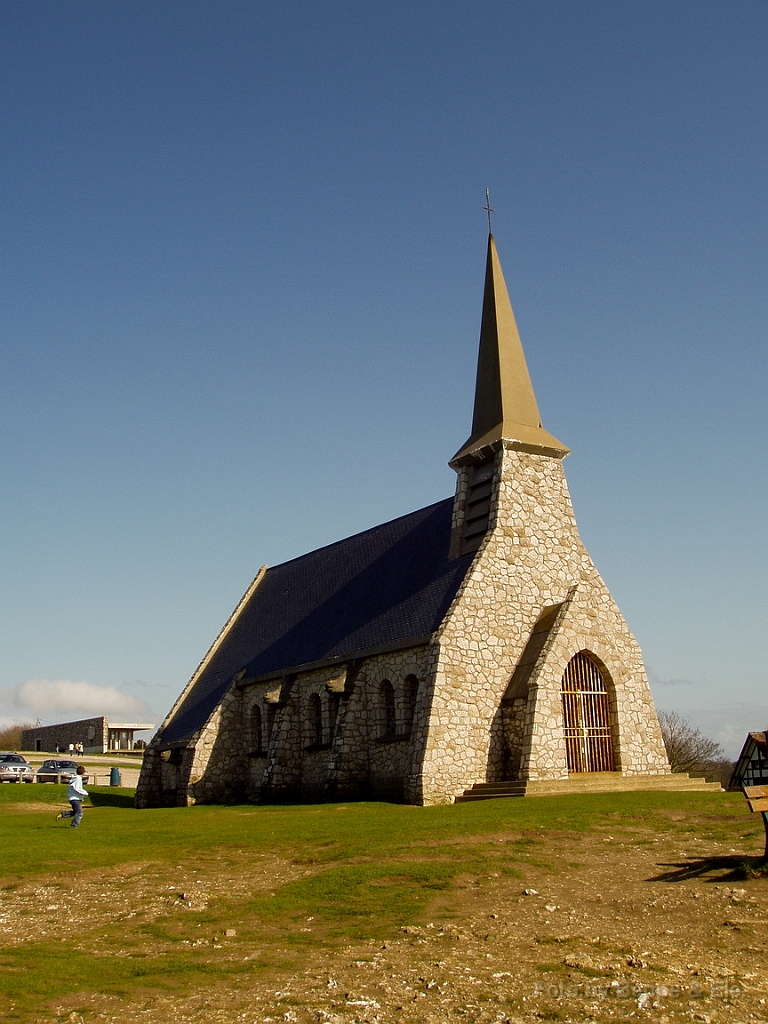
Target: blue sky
(240, 289)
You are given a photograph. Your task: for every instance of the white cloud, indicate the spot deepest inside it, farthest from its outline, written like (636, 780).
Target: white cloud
(731, 737)
(62, 697)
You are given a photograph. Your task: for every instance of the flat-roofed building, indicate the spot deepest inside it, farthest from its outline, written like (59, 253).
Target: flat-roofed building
(97, 735)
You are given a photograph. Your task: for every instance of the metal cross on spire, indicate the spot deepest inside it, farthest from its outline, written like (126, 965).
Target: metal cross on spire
(488, 209)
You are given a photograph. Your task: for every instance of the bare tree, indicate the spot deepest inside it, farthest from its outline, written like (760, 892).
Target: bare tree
(10, 736)
(688, 749)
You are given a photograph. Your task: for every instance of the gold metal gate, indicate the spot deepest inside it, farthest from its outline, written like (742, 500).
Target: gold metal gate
(586, 717)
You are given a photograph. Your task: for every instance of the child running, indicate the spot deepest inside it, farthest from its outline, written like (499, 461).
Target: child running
(75, 793)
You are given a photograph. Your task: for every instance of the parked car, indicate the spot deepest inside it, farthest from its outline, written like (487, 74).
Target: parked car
(15, 768)
(54, 766)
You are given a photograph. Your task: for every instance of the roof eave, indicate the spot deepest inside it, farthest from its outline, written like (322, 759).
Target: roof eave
(512, 437)
(309, 666)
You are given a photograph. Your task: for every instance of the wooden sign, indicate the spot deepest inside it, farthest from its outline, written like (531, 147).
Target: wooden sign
(755, 792)
(758, 805)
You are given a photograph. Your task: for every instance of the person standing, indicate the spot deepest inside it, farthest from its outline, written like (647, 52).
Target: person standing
(75, 794)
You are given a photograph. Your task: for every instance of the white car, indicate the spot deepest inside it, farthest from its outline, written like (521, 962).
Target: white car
(15, 768)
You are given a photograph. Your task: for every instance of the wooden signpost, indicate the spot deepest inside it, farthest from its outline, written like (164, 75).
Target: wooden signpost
(757, 798)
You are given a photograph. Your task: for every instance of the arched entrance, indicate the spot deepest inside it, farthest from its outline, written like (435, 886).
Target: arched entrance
(586, 717)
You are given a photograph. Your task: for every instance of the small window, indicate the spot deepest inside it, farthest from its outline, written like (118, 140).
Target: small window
(389, 717)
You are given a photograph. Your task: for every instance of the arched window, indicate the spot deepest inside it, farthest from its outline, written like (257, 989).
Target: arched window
(256, 734)
(586, 716)
(411, 693)
(388, 714)
(315, 720)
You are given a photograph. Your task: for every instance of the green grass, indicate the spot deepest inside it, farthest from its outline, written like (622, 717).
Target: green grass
(368, 870)
(113, 832)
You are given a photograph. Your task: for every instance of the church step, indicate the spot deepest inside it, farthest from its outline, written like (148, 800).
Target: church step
(494, 787)
(469, 795)
(592, 782)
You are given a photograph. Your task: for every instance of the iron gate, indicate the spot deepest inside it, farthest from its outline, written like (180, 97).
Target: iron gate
(586, 717)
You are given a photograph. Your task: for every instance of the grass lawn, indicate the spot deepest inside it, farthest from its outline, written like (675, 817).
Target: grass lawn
(169, 900)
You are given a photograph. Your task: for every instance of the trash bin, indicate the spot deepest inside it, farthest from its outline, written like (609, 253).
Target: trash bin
(114, 776)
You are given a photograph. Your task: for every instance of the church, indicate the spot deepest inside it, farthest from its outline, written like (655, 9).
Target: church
(466, 650)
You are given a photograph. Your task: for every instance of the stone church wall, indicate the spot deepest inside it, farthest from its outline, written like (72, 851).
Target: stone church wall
(263, 742)
(532, 557)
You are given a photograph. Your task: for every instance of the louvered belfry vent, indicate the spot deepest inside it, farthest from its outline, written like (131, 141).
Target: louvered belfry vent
(586, 717)
(478, 506)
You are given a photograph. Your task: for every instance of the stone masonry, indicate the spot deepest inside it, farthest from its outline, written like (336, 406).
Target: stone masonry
(466, 693)
(532, 557)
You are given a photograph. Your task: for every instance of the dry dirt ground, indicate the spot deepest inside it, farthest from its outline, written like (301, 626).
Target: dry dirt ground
(641, 926)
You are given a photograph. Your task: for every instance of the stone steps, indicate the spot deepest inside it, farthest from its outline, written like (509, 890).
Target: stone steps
(589, 782)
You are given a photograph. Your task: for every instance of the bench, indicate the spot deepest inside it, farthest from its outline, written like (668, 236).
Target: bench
(757, 798)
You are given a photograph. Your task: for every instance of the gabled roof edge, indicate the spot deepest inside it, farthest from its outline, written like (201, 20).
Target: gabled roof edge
(212, 650)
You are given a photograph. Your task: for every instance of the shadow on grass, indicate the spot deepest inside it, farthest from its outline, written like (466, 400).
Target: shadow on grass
(712, 869)
(111, 797)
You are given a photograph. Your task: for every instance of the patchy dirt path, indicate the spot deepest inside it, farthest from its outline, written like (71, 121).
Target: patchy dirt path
(597, 927)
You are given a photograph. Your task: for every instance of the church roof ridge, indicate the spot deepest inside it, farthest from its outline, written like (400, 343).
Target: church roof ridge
(505, 412)
(358, 534)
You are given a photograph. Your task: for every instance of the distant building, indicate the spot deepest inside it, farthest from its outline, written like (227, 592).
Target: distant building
(751, 769)
(96, 734)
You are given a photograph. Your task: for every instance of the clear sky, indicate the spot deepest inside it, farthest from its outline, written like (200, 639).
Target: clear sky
(241, 277)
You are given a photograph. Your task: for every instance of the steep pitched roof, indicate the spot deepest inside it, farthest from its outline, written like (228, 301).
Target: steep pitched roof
(391, 585)
(751, 767)
(505, 404)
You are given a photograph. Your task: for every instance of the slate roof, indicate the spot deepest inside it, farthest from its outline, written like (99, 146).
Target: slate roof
(388, 585)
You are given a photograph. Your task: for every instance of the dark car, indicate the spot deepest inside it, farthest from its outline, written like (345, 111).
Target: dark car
(57, 770)
(15, 768)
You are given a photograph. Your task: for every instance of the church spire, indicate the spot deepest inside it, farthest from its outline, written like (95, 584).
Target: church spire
(506, 412)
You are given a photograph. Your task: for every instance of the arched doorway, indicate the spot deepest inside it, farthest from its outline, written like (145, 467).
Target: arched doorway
(586, 717)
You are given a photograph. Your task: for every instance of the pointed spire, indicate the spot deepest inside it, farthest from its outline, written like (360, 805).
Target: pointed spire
(505, 405)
